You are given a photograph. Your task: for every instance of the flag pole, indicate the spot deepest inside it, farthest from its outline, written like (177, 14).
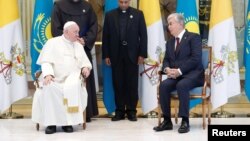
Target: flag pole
(11, 115)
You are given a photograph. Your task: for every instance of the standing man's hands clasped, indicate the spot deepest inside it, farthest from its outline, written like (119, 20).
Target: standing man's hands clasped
(107, 61)
(140, 60)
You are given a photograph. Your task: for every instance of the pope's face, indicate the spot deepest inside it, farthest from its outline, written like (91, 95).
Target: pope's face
(73, 33)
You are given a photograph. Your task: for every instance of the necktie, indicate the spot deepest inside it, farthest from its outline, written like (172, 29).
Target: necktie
(177, 43)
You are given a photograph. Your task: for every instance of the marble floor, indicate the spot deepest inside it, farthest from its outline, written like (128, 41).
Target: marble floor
(102, 129)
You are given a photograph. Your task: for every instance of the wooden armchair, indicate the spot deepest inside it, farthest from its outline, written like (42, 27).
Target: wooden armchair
(36, 83)
(202, 93)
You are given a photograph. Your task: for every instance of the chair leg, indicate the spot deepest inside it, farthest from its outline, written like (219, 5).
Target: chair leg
(208, 112)
(159, 114)
(203, 114)
(176, 112)
(37, 126)
(84, 120)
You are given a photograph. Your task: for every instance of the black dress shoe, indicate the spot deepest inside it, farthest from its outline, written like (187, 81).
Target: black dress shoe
(184, 128)
(118, 117)
(67, 129)
(50, 129)
(132, 117)
(165, 125)
(88, 119)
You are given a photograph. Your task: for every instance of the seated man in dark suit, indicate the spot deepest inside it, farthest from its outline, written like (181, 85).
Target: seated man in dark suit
(183, 66)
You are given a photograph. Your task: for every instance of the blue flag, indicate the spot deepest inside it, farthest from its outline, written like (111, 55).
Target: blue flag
(108, 89)
(41, 31)
(247, 53)
(189, 11)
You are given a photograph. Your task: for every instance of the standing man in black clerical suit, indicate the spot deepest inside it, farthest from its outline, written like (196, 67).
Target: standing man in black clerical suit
(124, 48)
(83, 14)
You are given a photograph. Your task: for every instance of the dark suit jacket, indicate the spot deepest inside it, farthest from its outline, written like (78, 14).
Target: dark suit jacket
(136, 34)
(188, 57)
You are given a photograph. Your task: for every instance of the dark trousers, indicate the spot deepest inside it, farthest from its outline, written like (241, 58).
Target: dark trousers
(125, 81)
(183, 86)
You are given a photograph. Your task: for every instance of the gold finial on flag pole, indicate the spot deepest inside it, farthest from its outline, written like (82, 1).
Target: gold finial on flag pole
(222, 114)
(11, 115)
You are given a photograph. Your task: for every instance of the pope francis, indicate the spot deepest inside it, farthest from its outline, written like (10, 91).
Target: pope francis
(62, 96)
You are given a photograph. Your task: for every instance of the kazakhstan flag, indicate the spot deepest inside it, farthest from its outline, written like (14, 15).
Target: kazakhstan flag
(110, 4)
(41, 30)
(247, 53)
(108, 89)
(189, 11)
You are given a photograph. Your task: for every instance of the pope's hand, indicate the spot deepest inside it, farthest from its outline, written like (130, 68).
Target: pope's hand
(85, 72)
(48, 79)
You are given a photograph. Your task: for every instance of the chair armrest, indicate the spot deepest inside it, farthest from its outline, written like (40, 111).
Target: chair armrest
(161, 73)
(204, 90)
(37, 75)
(208, 75)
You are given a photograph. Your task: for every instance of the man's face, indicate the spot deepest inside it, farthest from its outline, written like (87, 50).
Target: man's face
(174, 27)
(73, 33)
(124, 4)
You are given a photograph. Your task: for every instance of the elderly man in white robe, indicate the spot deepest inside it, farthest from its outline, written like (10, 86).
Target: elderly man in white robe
(63, 97)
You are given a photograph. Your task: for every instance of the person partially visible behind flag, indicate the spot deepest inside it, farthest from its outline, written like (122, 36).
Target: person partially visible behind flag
(13, 82)
(156, 51)
(108, 88)
(41, 31)
(225, 81)
(247, 53)
(189, 11)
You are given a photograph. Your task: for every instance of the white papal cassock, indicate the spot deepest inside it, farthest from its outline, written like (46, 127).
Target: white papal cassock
(63, 101)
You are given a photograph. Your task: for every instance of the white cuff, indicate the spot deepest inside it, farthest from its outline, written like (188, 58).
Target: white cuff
(179, 71)
(47, 69)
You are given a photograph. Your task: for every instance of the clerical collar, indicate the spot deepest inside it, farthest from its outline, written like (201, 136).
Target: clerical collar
(124, 11)
(74, 2)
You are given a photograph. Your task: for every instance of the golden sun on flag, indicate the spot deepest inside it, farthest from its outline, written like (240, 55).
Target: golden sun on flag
(191, 24)
(46, 30)
(44, 26)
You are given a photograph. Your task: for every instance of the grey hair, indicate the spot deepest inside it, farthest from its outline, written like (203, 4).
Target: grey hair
(68, 24)
(178, 18)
